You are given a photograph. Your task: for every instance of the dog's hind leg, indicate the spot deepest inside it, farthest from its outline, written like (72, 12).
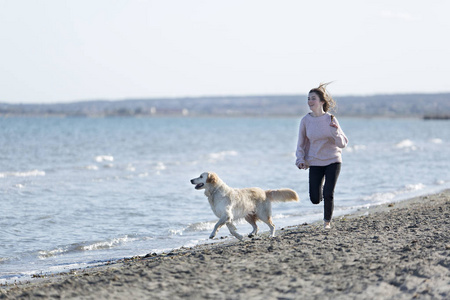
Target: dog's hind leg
(269, 223)
(219, 224)
(233, 231)
(252, 220)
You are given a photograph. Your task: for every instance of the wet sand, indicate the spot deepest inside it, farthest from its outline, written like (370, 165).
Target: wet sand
(395, 251)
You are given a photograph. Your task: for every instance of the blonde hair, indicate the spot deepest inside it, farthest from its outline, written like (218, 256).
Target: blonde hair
(321, 91)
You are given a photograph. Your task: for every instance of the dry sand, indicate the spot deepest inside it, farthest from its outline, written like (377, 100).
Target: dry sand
(397, 251)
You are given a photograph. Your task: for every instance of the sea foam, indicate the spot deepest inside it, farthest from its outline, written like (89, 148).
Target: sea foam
(217, 156)
(33, 173)
(77, 247)
(436, 141)
(406, 144)
(105, 244)
(103, 158)
(384, 197)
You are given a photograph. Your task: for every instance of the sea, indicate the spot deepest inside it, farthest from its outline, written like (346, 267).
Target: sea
(79, 192)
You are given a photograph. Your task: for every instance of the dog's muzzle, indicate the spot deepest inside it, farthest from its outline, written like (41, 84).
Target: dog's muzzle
(198, 186)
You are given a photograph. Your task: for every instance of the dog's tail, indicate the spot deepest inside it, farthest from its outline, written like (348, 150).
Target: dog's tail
(282, 195)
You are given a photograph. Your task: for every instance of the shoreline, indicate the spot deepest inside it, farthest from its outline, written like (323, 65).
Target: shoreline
(399, 250)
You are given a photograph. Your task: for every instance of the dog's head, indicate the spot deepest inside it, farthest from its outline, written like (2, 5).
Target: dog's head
(204, 179)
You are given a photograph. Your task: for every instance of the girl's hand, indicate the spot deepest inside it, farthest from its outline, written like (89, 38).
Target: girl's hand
(303, 166)
(333, 123)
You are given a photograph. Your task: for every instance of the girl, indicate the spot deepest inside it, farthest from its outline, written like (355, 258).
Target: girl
(319, 147)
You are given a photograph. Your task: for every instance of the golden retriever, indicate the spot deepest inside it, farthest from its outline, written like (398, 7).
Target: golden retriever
(230, 204)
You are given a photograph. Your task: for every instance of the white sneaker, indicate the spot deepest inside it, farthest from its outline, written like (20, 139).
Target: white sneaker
(326, 225)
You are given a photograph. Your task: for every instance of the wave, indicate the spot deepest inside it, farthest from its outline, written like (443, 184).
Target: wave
(51, 253)
(81, 247)
(194, 227)
(103, 158)
(355, 148)
(282, 216)
(33, 173)
(201, 226)
(217, 156)
(160, 166)
(91, 167)
(384, 197)
(105, 244)
(406, 144)
(436, 141)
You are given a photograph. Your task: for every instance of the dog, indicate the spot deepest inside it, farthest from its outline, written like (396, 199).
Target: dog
(230, 204)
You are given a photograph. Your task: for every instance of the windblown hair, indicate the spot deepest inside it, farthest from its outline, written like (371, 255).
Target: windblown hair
(321, 91)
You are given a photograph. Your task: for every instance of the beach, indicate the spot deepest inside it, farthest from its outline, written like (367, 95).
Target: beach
(393, 251)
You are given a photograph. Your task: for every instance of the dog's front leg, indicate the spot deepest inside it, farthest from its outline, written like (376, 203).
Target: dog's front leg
(233, 231)
(219, 224)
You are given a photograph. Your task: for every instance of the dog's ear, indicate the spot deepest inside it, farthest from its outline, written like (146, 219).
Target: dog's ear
(212, 178)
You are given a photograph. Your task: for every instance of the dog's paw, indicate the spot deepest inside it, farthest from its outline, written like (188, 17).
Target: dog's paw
(250, 235)
(211, 237)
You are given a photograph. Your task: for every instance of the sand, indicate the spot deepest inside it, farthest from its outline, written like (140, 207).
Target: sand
(396, 251)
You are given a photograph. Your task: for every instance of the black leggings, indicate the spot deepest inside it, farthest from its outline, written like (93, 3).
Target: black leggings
(317, 176)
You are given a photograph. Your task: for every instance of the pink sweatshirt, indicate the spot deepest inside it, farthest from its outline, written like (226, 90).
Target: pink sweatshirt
(319, 144)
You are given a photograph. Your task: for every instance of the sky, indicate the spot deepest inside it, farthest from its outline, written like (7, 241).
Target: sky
(55, 51)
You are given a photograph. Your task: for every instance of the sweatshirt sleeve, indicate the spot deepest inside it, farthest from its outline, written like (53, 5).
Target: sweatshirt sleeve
(339, 137)
(302, 144)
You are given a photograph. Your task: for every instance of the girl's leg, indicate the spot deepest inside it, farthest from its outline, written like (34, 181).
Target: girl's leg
(331, 176)
(316, 178)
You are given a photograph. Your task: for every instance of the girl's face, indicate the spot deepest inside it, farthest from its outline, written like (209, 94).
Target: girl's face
(314, 101)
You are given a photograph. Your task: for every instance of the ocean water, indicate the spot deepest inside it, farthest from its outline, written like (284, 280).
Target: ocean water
(76, 192)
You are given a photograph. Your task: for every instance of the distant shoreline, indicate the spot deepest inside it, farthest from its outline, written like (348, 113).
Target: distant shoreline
(5, 116)
(436, 117)
(396, 105)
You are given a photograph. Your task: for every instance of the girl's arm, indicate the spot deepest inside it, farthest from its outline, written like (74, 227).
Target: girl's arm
(339, 137)
(302, 145)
